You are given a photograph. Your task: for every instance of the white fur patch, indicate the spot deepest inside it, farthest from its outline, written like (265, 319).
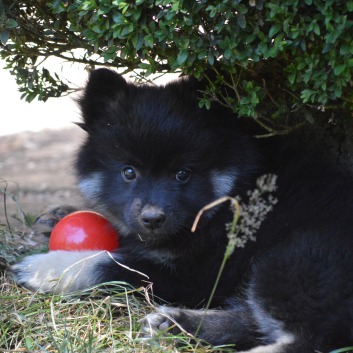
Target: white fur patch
(91, 185)
(271, 328)
(223, 181)
(60, 271)
(277, 347)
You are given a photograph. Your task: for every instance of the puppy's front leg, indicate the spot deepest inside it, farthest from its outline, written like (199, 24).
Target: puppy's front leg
(60, 271)
(214, 326)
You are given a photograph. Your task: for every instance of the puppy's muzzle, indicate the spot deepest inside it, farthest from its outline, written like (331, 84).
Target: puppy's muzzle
(152, 217)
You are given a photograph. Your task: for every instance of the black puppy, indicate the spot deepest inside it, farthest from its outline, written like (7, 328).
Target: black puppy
(152, 159)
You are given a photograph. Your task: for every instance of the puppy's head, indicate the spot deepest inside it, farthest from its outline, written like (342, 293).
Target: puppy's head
(152, 158)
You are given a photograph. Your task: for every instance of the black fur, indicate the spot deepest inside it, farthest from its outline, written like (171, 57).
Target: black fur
(293, 285)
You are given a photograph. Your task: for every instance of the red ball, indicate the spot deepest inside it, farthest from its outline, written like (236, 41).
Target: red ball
(84, 230)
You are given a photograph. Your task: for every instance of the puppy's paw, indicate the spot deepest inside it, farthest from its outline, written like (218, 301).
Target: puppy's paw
(58, 271)
(165, 319)
(47, 221)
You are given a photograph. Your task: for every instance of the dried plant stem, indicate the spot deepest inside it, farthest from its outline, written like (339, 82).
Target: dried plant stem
(229, 250)
(233, 201)
(243, 229)
(5, 206)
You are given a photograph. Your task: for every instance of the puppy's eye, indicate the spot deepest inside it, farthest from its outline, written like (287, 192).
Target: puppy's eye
(183, 175)
(128, 173)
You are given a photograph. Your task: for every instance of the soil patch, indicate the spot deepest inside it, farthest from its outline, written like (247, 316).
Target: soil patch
(36, 170)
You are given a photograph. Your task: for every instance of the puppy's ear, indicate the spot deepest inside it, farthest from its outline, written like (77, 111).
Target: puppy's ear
(104, 89)
(104, 84)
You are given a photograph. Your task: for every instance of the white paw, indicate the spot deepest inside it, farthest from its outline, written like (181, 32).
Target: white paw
(162, 320)
(58, 271)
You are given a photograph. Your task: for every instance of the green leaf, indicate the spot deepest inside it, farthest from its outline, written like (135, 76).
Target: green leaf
(149, 41)
(97, 29)
(308, 95)
(339, 69)
(274, 29)
(202, 54)
(137, 14)
(345, 49)
(292, 77)
(316, 29)
(4, 36)
(241, 20)
(259, 4)
(10, 23)
(127, 30)
(118, 17)
(327, 48)
(175, 6)
(210, 59)
(227, 53)
(182, 57)
(144, 66)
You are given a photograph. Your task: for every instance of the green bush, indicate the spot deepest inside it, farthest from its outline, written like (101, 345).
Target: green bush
(270, 60)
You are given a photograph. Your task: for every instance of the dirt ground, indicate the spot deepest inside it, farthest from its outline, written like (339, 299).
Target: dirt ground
(36, 170)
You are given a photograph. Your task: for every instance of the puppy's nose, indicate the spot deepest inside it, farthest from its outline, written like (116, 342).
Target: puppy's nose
(152, 218)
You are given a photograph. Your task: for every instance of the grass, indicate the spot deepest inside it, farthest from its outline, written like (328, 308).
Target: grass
(100, 320)
(103, 320)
